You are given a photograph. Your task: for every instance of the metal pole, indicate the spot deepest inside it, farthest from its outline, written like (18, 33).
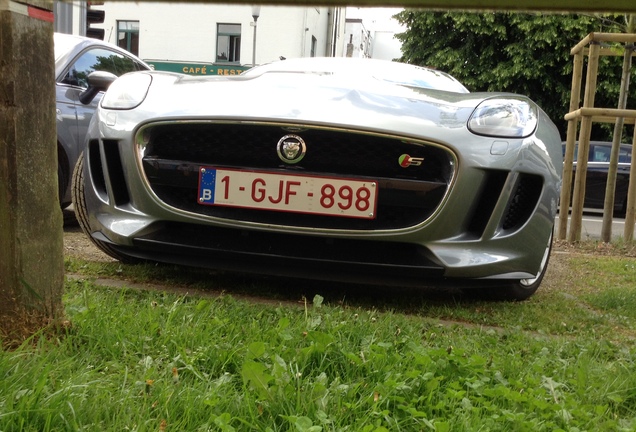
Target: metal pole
(256, 11)
(254, 44)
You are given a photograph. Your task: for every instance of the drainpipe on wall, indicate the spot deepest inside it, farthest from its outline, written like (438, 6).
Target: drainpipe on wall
(330, 32)
(304, 38)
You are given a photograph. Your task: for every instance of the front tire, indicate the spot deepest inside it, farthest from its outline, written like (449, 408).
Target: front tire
(62, 180)
(523, 289)
(81, 213)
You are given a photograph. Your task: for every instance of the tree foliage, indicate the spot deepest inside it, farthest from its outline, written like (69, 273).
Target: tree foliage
(526, 53)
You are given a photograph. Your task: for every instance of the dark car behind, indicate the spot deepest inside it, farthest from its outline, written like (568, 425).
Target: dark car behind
(597, 169)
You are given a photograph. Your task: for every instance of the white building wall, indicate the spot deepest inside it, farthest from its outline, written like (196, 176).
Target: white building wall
(381, 28)
(287, 31)
(386, 46)
(187, 31)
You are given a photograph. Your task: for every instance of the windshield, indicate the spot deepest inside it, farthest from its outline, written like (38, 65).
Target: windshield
(393, 72)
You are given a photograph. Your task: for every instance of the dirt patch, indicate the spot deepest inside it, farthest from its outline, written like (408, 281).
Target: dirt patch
(78, 245)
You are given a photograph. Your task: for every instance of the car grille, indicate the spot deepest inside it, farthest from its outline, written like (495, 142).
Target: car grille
(174, 152)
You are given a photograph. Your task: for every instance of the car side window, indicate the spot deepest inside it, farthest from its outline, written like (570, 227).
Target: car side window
(625, 156)
(600, 154)
(98, 59)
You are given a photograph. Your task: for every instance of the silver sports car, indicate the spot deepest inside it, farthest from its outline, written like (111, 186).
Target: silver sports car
(75, 58)
(332, 168)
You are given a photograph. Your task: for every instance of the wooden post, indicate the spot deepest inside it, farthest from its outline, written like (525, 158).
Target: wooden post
(31, 236)
(630, 215)
(610, 187)
(578, 197)
(566, 186)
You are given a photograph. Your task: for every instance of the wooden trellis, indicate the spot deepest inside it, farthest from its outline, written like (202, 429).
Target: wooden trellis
(591, 46)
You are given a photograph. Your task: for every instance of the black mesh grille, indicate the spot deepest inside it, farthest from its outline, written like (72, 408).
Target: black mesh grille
(523, 201)
(406, 196)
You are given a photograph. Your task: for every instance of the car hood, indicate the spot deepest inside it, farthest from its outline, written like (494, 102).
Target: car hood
(321, 99)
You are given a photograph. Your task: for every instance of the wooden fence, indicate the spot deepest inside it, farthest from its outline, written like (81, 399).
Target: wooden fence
(592, 47)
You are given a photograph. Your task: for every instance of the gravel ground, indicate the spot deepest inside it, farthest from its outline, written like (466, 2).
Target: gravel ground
(77, 244)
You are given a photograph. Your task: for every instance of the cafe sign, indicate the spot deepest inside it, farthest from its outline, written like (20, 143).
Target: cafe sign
(191, 68)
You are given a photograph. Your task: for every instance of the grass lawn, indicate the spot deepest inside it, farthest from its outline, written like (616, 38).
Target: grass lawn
(214, 352)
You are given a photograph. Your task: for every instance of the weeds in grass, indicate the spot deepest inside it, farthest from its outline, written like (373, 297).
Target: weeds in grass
(153, 361)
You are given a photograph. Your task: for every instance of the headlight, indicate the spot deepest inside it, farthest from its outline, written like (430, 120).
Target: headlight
(504, 117)
(128, 91)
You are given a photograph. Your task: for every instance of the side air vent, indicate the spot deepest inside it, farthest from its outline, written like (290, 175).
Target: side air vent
(94, 156)
(523, 200)
(116, 173)
(491, 191)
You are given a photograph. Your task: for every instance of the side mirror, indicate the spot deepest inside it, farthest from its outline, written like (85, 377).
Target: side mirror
(97, 81)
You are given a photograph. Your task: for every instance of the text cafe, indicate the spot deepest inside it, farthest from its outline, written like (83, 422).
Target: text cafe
(196, 68)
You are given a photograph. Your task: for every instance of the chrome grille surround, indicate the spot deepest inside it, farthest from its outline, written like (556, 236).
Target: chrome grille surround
(171, 153)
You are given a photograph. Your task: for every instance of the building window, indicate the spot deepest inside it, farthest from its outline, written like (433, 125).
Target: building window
(228, 43)
(314, 43)
(128, 36)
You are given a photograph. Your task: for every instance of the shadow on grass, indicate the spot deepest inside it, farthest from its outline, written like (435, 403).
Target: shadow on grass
(289, 291)
(267, 289)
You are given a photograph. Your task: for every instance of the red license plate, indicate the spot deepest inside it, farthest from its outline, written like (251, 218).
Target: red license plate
(288, 192)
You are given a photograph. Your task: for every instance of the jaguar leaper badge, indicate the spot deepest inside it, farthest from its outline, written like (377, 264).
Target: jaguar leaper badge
(291, 149)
